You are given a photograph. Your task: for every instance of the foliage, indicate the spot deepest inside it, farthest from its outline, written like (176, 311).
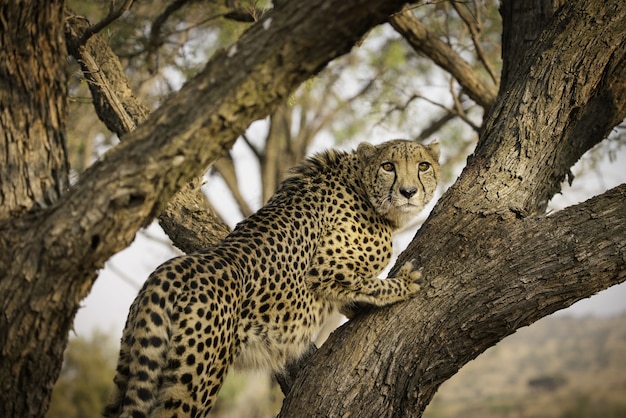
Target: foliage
(382, 89)
(86, 377)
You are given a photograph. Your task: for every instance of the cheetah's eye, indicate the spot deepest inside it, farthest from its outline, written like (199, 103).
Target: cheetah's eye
(387, 167)
(424, 166)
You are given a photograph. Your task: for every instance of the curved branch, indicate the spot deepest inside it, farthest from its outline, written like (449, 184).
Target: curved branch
(154, 40)
(474, 29)
(491, 277)
(55, 253)
(423, 42)
(137, 178)
(494, 260)
(110, 18)
(549, 117)
(187, 219)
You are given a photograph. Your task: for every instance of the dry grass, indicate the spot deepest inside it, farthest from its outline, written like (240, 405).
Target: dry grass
(558, 367)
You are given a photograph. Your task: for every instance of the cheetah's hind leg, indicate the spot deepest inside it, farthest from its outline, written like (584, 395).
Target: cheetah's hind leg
(196, 365)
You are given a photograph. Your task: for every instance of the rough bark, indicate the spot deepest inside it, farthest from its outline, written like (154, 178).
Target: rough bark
(49, 260)
(495, 261)
(186, 219)
(34, 164)
(33, 175)
(189, 221)
(525, 20)
(489, 277)
(112, 97)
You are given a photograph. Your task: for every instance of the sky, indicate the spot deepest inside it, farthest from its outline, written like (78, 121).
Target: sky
(106, 307)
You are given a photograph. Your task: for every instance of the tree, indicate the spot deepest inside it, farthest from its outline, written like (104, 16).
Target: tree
(495, 261)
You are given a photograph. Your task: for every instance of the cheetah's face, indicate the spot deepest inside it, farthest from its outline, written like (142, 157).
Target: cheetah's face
(400, 177)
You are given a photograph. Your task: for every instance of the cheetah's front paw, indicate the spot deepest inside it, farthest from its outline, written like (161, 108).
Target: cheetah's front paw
(412, 277)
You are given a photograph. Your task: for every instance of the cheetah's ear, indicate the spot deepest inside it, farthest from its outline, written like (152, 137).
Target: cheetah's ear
(433, 150)
(365, 151)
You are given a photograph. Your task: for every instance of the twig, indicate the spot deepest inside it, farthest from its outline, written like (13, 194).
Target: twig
(113, 15)
(471, 23)
(252, 147)
(458, 107)
(121, 274)
(435, 126)
(423, 41)
(155, 30)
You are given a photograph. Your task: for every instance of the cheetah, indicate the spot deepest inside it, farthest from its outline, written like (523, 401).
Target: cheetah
(257, 298)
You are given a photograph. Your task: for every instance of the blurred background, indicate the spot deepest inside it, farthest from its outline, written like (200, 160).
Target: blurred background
(571, 364)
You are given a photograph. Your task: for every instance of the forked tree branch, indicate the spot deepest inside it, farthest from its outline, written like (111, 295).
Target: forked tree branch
(187, 219)
(136, 179)
(495, 261)
(491, 277)
(113, 15)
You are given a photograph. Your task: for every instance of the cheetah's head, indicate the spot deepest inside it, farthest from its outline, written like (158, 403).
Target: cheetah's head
(400, 177)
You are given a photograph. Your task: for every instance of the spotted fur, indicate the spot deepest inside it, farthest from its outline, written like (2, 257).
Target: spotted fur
(257, 298)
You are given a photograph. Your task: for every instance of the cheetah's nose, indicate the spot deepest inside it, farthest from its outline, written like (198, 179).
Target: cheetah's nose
(408, 193)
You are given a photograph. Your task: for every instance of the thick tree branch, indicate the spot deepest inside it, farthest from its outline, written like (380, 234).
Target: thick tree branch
(187, 219)
(494, 260)
(50, 257)
(423, 42)
(547, 118)
(136, 179)
(490, 277)
(526, 24)
(113, 99)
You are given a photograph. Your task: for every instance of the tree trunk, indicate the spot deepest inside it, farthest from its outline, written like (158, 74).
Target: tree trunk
(525, 22)
(33, 175)
(49, 258)
(33, 108)
(490, 277)
(494, 260)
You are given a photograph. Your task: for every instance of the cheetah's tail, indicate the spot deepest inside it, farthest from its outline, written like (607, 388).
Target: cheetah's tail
(144, 344)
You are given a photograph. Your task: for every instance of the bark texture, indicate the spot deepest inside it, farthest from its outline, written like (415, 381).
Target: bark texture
(49, 259)
(495, 261)
(526, 21)
(34, 164)
(186, 219)
(487, 279)
(33, 175)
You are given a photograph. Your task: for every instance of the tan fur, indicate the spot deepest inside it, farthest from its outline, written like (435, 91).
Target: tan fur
(257, 298)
